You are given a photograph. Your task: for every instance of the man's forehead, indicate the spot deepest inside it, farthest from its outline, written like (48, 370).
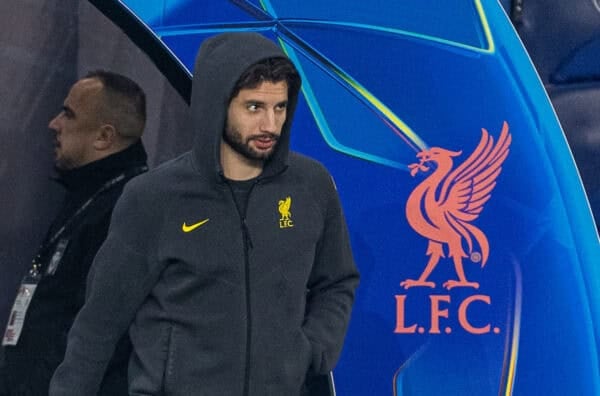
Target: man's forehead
(265, 89)
(83, 91)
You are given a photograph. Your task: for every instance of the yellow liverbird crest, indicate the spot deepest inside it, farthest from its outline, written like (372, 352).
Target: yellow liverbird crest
(284, 210)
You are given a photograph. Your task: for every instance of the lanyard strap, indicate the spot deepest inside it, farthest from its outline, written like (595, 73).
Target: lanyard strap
(36, 265)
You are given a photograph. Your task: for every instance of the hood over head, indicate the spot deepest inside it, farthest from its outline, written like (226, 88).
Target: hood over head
(220, 62)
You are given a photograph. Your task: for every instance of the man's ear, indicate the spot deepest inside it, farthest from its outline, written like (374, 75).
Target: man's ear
(106, 137)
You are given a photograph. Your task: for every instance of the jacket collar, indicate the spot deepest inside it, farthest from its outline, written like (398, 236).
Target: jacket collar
(98, 172)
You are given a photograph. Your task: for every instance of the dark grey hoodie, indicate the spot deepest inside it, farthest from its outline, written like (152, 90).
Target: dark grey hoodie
(239, 305)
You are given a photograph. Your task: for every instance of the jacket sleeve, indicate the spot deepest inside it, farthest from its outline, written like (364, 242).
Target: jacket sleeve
(332, 285)
(122, 275)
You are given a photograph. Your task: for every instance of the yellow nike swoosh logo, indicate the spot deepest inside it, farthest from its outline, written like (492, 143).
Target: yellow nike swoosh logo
(192, 227)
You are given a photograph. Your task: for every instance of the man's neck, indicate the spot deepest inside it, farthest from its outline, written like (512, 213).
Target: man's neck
(238, 167)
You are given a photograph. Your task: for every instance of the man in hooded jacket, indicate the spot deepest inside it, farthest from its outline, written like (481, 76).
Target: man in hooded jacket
(231, 265)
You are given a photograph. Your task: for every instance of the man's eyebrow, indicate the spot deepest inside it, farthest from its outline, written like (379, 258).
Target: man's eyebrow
(254, 102)
(262, 104)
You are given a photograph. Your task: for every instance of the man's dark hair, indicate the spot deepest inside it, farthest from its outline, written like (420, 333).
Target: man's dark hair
(272, 70)
(124, 104)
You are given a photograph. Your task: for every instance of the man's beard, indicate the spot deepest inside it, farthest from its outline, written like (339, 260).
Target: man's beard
(233, 138)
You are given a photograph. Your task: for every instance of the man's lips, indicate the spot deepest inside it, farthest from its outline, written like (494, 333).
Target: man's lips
(265, 142)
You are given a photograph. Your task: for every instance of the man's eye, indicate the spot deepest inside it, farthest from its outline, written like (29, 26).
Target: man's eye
(67, 112)
(253, 107)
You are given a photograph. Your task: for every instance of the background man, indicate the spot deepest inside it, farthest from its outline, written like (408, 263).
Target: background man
(97, 150)
(232, 263)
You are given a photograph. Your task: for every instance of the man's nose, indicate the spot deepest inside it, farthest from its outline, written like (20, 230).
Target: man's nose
(269, 122)
(54, 124)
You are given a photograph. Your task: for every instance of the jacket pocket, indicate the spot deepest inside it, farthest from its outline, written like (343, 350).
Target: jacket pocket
(299, 360)
(287, 372)
(308, 355)
(169, 357)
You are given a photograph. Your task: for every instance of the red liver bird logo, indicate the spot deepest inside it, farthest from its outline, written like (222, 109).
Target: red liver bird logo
(443, 207)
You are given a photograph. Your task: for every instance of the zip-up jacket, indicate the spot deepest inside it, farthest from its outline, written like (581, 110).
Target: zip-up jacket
(219, 302)
(60, 293)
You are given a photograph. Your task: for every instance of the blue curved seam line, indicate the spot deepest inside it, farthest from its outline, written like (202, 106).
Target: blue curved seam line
(268, 7)
(511, 349)
(186, 30)
(252, 9)
(399, 374)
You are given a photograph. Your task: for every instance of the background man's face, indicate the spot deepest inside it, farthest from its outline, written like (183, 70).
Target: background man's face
(255, 118)
(76, 125)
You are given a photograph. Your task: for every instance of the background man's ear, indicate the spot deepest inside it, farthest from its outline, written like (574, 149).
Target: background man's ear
(106, 137)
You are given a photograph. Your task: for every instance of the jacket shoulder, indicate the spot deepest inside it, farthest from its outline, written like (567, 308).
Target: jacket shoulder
(303, 164)
(147, 198)
(314, 178)
(308, 170)
(159, 180)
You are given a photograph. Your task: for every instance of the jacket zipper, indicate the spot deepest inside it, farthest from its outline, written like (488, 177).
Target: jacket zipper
(247, 246)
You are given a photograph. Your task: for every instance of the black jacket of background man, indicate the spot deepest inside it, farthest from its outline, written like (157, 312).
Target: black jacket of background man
(29, 365)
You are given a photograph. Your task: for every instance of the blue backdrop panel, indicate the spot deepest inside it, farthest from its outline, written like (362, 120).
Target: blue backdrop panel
(395, 98)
